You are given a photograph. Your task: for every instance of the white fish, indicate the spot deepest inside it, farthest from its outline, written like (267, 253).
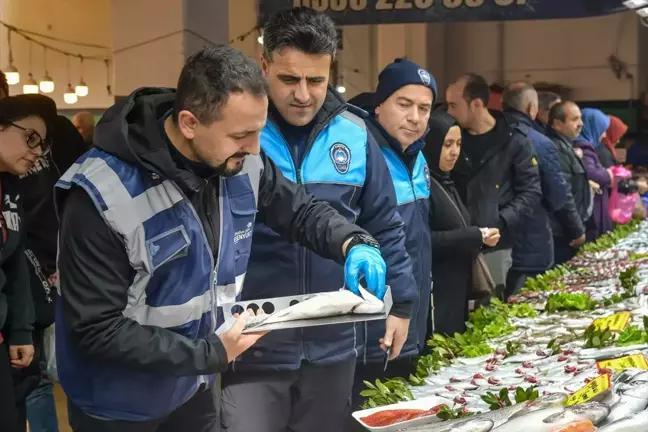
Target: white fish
(635, 423)
(549, 419)
(322, 305)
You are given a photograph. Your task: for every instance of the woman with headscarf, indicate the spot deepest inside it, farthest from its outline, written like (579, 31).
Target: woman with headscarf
(455, 241)
(614, 133)
(595, 125)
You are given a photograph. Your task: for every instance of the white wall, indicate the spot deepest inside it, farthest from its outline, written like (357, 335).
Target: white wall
(568, 52)
(78, 20)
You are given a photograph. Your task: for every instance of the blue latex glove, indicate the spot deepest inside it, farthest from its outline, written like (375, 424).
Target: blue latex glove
(363, 260)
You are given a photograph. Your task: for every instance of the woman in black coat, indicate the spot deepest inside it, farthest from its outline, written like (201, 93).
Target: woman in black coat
(455, 242)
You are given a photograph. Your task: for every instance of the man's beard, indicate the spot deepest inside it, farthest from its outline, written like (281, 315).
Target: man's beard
(224, 171)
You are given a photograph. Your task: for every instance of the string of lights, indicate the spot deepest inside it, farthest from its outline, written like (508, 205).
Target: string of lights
(47, 85)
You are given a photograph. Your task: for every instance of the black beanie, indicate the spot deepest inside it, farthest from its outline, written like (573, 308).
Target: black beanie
(399, 74)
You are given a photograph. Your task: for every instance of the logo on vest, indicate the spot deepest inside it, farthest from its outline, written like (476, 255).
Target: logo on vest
(243, 234)
(425, 76)
(426, 172)
(341, 157)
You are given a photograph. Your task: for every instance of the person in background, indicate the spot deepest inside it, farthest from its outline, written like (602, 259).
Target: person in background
(136, 326)
(565, 125)
(595, 124)
(455, 240)
(607, 151)
(23, 140)
(316, 140)
(84, 121)
(546, 100)
(41, 227)
(497, 175)
(400, 109)
(533, 252)
(4, 86)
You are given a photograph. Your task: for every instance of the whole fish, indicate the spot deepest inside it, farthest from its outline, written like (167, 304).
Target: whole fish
(498, 417)
(630, 398)
(635, 423)
(551, 419)
(473, 426)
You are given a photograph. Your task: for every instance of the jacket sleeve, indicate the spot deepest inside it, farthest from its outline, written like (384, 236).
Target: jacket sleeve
(379, 217)
(525, 182)
(292, 212)
(567, 216)
(95, 274)
(554, 187)
(595, 170)
(19, 299)
(462, 241)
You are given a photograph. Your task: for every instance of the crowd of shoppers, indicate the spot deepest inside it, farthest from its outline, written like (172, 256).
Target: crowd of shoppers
(250, 182)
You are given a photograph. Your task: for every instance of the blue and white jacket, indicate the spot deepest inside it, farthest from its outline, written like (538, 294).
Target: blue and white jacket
(144, 262)
(411, 178)
(339, 162)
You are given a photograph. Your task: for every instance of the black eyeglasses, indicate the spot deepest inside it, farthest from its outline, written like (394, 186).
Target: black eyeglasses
(34, 140)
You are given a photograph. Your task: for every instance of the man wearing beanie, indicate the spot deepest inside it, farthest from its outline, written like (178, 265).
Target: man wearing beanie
(400, 110)
(301, 379)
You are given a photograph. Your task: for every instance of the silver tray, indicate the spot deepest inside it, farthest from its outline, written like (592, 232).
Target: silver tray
(280, 303)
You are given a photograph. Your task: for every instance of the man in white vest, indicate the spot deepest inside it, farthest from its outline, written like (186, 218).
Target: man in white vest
(156, 229)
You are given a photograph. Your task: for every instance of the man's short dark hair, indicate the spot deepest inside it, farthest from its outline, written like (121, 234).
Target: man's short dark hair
(300, 28)
(557, 112)
(4, 85)
(210, 76)
(546, 99)
(476, 88)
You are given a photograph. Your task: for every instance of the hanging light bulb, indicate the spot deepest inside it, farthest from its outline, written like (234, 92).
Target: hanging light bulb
(341, 89)
(260, 39)
(12, 74)
(81, 89)
(70, 97)
(46, 84)
(31, 86)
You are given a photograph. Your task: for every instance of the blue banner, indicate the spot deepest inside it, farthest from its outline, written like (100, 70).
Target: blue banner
(348, 12)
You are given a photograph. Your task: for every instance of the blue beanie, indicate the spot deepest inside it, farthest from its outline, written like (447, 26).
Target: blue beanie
(399, 74)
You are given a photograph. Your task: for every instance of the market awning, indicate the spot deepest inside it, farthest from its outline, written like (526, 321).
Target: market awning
(348, 12)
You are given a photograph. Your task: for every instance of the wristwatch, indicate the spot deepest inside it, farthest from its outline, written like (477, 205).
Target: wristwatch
(361, 239)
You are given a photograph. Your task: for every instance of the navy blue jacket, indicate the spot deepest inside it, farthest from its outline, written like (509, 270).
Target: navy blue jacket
(533, 249)
(341, 163)
(411, 178)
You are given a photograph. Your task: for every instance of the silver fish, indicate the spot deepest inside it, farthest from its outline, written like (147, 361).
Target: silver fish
(634, 423)
(498, 417)
(474, 426)
(611, 352)
(546, 420)
(631, 398)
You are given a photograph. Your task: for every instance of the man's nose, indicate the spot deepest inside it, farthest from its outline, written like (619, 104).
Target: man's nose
(301, 92)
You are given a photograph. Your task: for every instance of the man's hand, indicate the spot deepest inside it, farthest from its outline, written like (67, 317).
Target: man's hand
(576, 243)
(21, 355)
(365, 261)
(234, 341)
(395, 335)
(492, 237)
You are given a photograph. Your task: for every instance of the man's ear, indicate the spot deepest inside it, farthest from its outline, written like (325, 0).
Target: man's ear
(187, 123)
(265, 66)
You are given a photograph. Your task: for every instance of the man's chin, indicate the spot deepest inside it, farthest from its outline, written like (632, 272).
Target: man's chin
(232, 168)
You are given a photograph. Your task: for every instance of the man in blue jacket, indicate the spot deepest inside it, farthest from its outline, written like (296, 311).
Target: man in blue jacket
(400, 110)
(301, 379)
(155, 234)
(533, 252)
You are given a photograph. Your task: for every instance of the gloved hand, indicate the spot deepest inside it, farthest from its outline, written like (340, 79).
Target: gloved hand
(363, 260)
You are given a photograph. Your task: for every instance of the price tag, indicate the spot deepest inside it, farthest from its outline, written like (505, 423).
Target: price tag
(592, 389)
(616, 322)
(637, 361)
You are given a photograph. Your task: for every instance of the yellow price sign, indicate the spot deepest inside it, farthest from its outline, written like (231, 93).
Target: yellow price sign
(592, 389)
(616, 322)
(636, 361)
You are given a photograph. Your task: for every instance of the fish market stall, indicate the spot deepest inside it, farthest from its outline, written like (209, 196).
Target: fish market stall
(568, 354)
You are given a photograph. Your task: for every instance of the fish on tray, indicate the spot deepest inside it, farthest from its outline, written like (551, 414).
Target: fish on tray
(578, 418)
(392, 416)
(321, 305)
